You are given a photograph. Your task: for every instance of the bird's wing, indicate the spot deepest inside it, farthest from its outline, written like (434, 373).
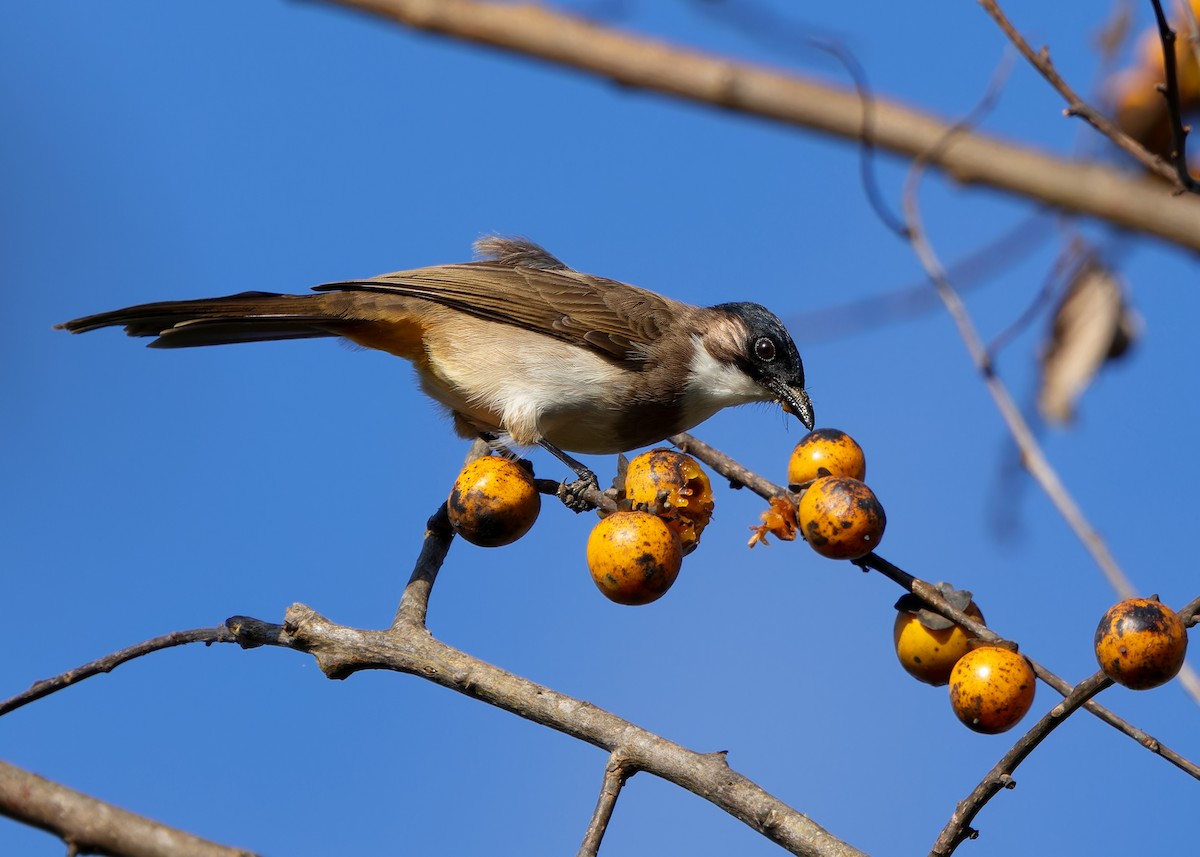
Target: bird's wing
(613, 318)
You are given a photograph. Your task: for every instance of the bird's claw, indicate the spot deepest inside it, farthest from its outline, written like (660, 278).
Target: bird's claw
(580, 495)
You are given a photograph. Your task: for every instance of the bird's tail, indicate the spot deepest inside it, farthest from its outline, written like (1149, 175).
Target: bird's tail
(245, 317)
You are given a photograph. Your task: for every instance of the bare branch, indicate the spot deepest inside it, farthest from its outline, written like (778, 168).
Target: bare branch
(90, 826)
(1178, 132)
(958, 829)
(616, 772)
(1133, 203)
(737, 475)
(975, 267)
(1032, 456)
(342, 651)
(110, 662)
(1076, 106)
(414, 604)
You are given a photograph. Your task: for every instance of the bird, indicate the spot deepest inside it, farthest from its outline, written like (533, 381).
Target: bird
(519, 348)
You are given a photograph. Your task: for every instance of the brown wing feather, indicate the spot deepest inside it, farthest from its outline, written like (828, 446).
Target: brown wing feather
(613, 318)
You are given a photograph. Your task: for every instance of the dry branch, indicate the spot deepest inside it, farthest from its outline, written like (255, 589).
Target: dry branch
(90, 826)
(341, 651)
(958, 829)
(1134, 203)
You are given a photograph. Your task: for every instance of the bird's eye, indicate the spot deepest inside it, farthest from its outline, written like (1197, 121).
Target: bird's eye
(764, 349)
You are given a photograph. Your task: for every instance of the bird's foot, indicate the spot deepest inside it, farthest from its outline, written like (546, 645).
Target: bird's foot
(582, 495)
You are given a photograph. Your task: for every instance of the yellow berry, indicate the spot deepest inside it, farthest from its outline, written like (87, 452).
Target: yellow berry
(826, 452)
(1141, 643)
(686, 502)
(841, 518)
(927, 644)
(991, 689)
(634, 557)
(493, 502)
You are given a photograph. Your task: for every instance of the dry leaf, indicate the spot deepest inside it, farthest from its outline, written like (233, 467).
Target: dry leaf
(1092, 325)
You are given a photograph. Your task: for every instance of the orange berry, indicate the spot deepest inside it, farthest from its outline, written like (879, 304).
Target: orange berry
(825, 452)
(493, 502)
(634, 557)
(927, 644)
(841, 518)
(1149, 57)
(1141, 643)
(991, 689)
(686, 502)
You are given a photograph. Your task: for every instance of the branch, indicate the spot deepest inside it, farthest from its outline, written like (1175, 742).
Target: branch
(108, 663)
(958, 829)
(616, 773)
(737, 475)
(1076, 106)
(414, 604)
(1178, 132)
(1133, 203)
(89, 826)
(341, 651)
(929, 594)
(1032, 457)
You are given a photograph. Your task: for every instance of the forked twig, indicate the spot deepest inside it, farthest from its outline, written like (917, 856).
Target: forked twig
(1077, 106)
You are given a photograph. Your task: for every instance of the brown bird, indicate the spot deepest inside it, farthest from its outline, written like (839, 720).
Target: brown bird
(519, 345)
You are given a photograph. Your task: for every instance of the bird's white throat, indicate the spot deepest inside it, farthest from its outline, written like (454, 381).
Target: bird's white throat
(714, 384)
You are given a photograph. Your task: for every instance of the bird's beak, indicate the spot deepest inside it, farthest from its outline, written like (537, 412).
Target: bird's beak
(794, 401)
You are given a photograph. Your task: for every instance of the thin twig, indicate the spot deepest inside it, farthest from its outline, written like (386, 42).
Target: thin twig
(1032, 457)
(616, 772)
(110, 662)
(1071, 259)
(958, 828)
(1076, 106)
(1171, 92)
(640, 62)
(973, 269)
(90, 826)
(737, 474)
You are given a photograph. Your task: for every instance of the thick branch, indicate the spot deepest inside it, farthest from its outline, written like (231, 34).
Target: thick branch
(1133, 203)
(90, 826)
(342, 651)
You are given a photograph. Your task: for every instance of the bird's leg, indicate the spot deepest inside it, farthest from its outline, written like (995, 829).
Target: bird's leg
(498, 446)
(574, 494)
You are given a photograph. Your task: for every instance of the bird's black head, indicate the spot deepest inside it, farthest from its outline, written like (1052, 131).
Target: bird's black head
(769, 356)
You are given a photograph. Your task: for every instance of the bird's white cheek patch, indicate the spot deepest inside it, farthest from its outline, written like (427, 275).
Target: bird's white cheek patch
(713, 384)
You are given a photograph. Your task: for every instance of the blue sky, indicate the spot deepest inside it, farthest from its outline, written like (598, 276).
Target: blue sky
(156, 151)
